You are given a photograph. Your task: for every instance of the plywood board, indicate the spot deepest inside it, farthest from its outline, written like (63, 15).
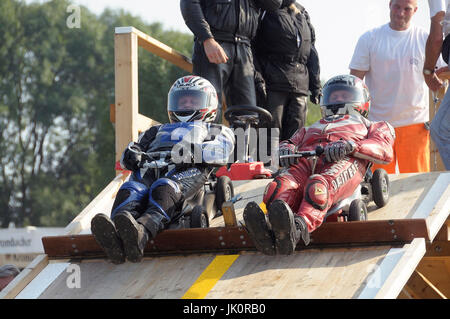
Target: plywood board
(313, 273)
(159, 278)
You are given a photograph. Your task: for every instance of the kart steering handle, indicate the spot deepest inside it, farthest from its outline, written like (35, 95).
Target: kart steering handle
(235, 111)
(317, 152)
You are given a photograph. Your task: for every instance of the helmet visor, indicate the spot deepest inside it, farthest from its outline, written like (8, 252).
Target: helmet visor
(342, 94)
(187, 100)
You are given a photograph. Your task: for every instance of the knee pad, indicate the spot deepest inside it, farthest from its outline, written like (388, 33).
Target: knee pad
(281, 188)
(132, 196)
(316, 192)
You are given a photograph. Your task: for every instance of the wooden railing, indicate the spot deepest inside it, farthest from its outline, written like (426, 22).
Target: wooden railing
(128, 121)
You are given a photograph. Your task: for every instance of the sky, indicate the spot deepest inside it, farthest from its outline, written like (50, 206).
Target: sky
(338, 23)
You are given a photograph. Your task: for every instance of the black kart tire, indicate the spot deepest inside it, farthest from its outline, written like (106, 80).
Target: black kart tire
(199, 218)
(357, 211)
(380, 187)
(224, 191)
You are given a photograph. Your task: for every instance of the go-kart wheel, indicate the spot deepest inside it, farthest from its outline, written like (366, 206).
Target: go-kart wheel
(224, 192)
(380, 187)
(199, 217)
(357, 211)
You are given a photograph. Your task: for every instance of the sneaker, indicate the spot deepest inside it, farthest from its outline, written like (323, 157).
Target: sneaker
(287, 229)
(106, 235)
(133, 235)
(255, 222)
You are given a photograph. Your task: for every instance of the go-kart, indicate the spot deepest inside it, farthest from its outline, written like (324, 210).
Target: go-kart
(200, 208)
(374, 187)
(246, 117)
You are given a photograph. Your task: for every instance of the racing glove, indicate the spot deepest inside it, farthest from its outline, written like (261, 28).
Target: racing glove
(336, 151)
(287, 149)
(130, 159)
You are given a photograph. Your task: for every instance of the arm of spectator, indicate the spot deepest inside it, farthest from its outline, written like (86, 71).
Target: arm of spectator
(214, 51)
(433, 50)
(360, 74)
(195, 20)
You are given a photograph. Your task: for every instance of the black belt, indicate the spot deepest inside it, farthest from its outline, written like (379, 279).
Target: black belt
(226, 37)
(282, 57)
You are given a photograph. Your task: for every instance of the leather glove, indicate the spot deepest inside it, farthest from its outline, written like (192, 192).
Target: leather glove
(131, 160)
(316, 96)
(260, 88)
(287, 149)
(336, 151)
(261, 93)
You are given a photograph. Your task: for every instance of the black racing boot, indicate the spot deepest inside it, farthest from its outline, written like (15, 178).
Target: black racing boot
(287, 229)
(255, 222)
(134, 236)
(106, 235)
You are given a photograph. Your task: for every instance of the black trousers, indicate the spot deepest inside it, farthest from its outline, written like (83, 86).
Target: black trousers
(288, 111)
(235, 79)
(153, 203)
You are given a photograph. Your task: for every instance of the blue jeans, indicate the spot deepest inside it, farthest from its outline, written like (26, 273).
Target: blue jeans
(440, 130)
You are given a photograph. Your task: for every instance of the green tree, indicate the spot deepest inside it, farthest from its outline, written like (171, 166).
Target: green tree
(56, 84)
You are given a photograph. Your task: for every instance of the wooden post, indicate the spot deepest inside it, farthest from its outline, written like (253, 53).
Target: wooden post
(126, 89)
(128, 122)
(229, 215)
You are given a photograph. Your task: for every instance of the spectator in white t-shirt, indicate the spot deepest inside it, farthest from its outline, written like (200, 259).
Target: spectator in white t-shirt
(390, 58)
(440, 26)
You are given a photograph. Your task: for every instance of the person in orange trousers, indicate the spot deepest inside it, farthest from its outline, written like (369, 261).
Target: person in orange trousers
(411, 150)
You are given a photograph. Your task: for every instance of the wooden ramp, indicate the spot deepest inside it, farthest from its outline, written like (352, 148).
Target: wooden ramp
(401, 252)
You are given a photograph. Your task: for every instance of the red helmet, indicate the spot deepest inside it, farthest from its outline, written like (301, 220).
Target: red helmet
(345, 94)
(192, 98)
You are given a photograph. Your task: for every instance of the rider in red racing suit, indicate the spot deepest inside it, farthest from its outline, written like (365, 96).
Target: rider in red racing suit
(300, 196)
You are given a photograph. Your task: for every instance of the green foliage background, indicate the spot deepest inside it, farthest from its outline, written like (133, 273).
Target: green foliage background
(56, 85)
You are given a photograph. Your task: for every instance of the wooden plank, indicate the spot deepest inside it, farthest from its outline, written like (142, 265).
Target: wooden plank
(24, 278)
(407, 193)
(437, 271)
(156, 278)
(231, 239)
(312, 273)
(126, 90)
(441, 207)
(229, 215)
(252, 275)
(438, 249)
(403, 269)
(419, 287)
(144, 123)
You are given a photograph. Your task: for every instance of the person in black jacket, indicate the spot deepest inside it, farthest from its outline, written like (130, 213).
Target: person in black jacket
(223, 31)
(287, 66)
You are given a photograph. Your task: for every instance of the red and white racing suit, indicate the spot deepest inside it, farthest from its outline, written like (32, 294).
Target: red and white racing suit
(310, 194)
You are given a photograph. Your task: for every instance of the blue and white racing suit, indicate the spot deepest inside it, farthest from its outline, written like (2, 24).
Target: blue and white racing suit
(155, 197)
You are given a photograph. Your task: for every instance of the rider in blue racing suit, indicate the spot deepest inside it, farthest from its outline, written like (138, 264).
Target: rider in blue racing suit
(151, 199)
